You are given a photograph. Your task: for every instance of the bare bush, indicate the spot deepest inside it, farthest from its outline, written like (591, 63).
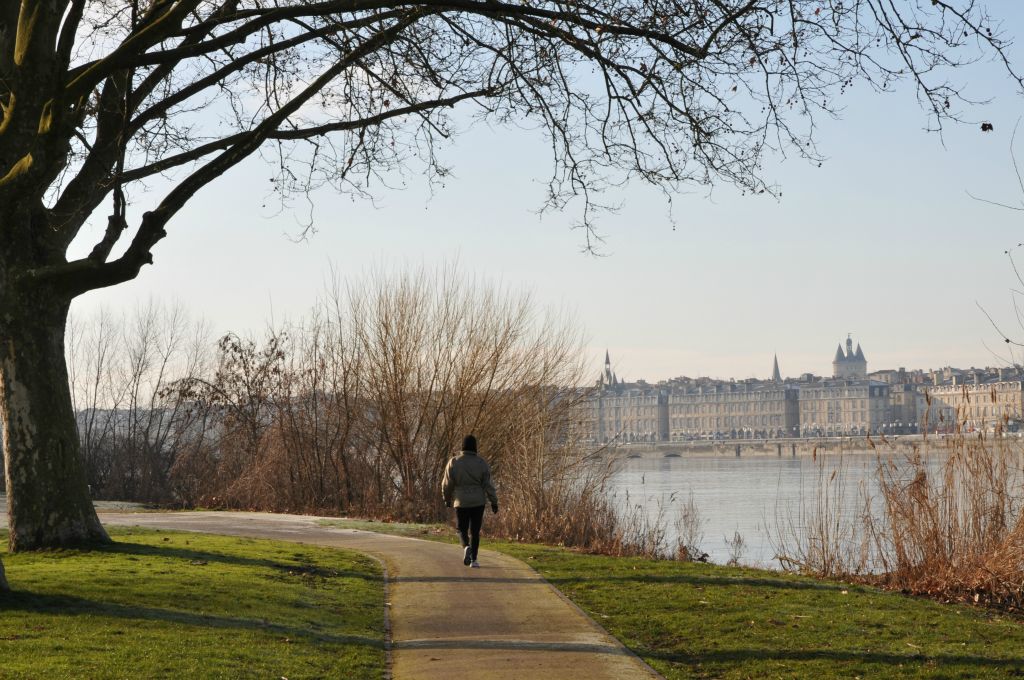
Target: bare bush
(737, 546)
(690, 532)
(953, 530)
(944, 521)
(553, 489)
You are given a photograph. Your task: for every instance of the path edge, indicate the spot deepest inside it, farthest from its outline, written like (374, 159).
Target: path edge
(565, 598)
(389, 658)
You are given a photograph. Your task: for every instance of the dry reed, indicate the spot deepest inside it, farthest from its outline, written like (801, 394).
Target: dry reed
(942, 521)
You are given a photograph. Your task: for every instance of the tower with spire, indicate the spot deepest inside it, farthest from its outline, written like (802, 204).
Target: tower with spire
(850, 365)
(776, 376)
(608, 378)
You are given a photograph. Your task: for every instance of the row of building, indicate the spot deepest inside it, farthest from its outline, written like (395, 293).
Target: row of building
(850, 403)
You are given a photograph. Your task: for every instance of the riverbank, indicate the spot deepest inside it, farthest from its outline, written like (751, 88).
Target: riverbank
(802, 446)
(693, 620)
(171, 605)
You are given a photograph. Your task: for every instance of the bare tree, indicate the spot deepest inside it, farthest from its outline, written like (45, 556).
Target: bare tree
(99, 96)
(91, 346)
(319, 417)
(129, 421)
(358, 408)
(240, 401)
(443, 357)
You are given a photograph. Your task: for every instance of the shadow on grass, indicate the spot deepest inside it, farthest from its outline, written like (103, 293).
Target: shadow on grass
(69, 605)
(200, 556)
(732, 657)
(704, 580)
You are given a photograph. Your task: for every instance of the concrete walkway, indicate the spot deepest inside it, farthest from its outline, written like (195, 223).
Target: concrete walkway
(447, 620)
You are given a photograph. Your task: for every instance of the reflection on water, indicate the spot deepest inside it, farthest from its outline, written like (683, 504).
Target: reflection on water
(748, 495)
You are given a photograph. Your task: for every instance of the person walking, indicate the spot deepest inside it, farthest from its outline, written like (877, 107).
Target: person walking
(467, 485)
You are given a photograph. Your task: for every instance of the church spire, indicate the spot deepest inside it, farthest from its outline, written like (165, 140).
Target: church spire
(776, 376)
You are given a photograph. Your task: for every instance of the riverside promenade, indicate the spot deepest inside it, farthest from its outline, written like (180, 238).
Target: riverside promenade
(446, 620)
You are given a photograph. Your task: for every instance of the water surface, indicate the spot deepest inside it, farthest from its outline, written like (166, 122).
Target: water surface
(747, 495)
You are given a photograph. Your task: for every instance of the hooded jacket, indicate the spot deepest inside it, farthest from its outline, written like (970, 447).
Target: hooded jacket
(467, 481)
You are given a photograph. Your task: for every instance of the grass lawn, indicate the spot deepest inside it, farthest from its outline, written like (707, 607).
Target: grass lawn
(690, 620)
(161, 604)
(704, 621)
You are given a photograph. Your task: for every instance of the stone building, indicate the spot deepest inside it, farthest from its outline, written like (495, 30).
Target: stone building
(685, 409)
(904, 408)
(843, 407)
(974, 406)
(750, 409)
(626, 412)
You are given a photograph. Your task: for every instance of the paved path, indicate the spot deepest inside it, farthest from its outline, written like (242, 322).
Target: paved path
(448, 621)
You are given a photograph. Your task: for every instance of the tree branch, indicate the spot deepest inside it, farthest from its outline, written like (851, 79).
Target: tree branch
(193, 155)
(86, 274)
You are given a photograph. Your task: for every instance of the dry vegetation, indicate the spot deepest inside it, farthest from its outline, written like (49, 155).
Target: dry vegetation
(943, 521)
(352, 411)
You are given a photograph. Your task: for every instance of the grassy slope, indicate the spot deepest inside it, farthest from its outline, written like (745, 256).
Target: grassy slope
(692, 620)
(695, 620)
(172, 605)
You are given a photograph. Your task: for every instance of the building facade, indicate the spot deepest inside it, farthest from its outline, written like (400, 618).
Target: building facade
(626, 413)
(974, 407)
(832, 408)
(904, 408)
(746, 410)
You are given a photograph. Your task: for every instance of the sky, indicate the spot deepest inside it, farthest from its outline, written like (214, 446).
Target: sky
(882, 241)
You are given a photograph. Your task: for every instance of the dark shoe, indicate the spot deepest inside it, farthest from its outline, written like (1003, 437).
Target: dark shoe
(466, 557)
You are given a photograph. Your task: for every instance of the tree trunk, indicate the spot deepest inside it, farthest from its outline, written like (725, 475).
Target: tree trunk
(3, 581)
(48, 499)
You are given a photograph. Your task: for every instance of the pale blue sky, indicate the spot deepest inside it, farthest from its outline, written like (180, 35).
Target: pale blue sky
(881, 241)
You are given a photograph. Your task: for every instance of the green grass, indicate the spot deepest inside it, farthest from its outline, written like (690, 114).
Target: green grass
(690, 620)
(160, 604)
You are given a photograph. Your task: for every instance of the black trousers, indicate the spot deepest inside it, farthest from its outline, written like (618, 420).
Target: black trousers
(470, 521)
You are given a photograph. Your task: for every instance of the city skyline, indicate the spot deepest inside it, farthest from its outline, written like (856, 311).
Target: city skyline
(777, 361)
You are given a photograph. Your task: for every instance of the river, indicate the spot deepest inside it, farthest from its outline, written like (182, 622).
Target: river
(750, 496)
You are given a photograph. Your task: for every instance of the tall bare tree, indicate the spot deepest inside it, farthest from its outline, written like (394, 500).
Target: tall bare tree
(99, 96)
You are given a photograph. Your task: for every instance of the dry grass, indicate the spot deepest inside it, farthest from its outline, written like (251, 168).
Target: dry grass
(952, 531)
(817, 534)
(942, 521)
(689, 527)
